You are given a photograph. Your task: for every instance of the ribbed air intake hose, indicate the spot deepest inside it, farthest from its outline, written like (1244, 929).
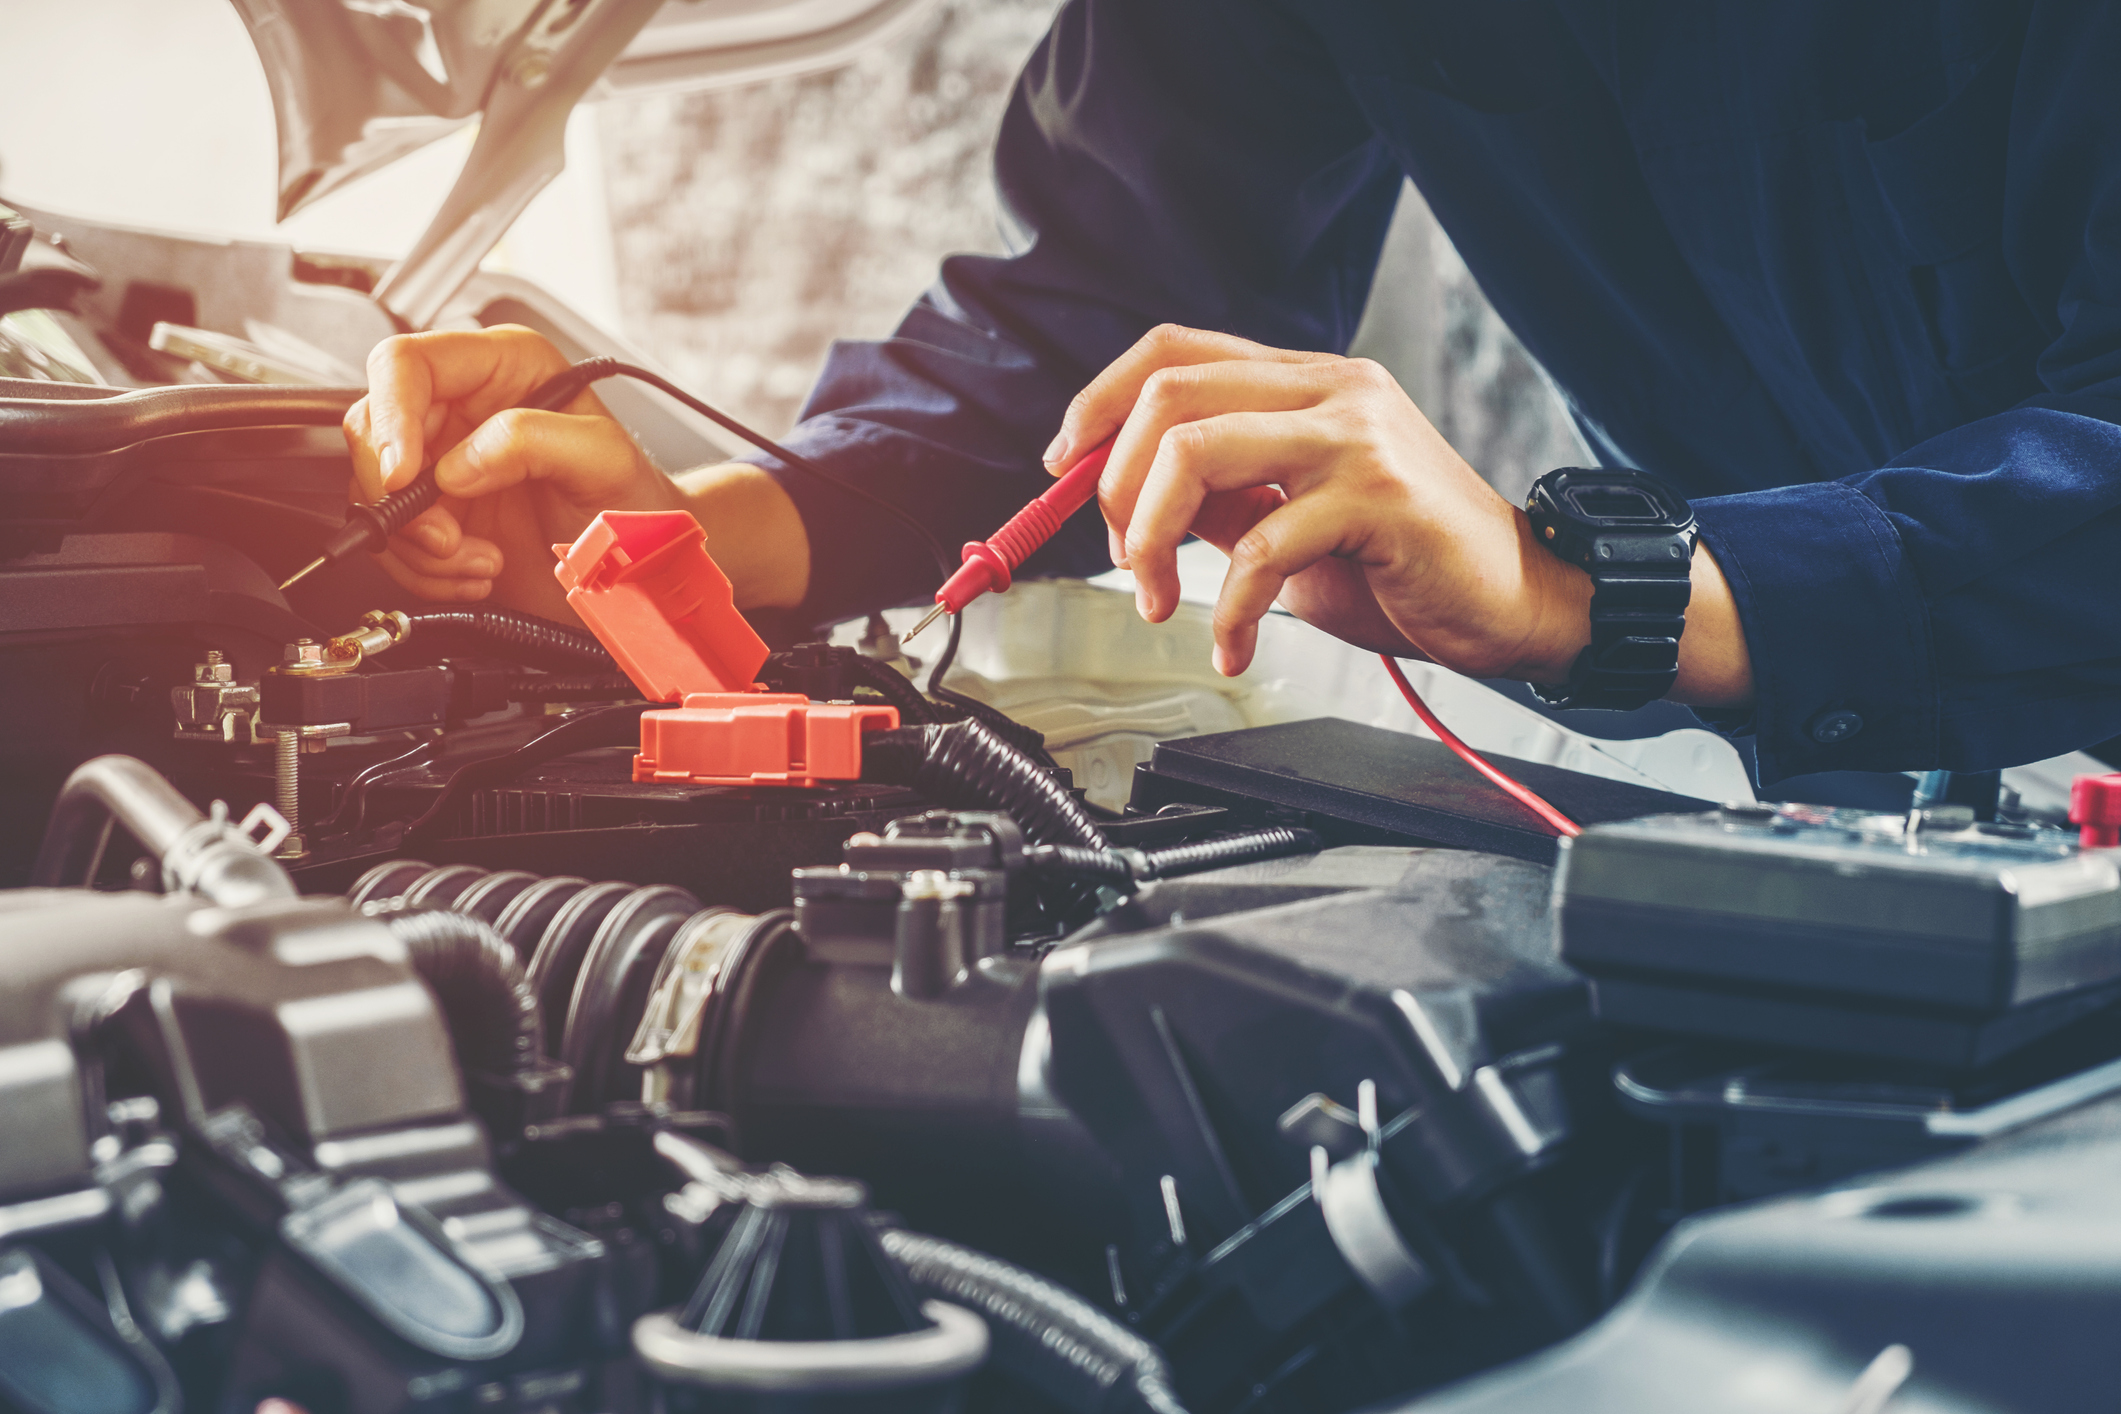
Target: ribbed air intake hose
(474, 974)
(1043, 1334)
(526, 638)
(966, 766)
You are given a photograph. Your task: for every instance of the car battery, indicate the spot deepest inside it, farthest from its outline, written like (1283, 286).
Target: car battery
(1950, 943)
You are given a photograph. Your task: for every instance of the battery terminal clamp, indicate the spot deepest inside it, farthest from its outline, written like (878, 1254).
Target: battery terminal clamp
(645, 585)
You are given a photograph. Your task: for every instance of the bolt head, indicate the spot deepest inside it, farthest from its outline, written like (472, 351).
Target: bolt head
(304, 652)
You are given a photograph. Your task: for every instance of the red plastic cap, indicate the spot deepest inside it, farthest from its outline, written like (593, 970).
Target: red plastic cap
(644, 584)
(2095, 806)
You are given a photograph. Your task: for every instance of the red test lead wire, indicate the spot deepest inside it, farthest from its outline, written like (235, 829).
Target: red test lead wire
(1561, 824)
(989, 563)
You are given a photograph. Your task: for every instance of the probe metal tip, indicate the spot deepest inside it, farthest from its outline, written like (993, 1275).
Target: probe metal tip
(912, 633)
(299, 575)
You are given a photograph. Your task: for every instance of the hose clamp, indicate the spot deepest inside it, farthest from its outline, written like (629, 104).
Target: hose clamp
(691, 972)
(953, 1346)
(1362, 1228)
(194, 856)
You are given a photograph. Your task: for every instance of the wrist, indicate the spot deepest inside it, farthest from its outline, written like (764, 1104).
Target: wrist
(754, 532)
(1560, 598)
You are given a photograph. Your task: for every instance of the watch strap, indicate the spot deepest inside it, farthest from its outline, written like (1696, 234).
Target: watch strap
(1637, 616)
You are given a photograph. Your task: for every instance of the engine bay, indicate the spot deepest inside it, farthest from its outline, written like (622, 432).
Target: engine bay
(404, 1010)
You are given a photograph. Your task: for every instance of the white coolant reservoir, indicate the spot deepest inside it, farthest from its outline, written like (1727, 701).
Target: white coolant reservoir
(1073, 660)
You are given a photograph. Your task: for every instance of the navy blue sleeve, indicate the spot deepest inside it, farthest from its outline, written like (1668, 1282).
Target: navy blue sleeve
(1955, 607)
(1197, 162)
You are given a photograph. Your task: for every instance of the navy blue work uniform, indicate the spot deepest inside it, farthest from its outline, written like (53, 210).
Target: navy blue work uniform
(1846, 274)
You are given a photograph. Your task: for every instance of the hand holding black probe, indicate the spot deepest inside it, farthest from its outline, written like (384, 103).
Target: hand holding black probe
(370, 527)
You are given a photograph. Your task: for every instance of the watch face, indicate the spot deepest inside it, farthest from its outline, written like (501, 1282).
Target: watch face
(1615, 500)
(1623, 504)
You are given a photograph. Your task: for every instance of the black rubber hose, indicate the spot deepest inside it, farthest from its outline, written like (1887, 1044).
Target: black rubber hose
(475, 975)
(1044, 1335)
(199, 856)
(1128, 867)
(1104, 866)
(966, 766)
(46, 287)
(47, 427)
(524, 637)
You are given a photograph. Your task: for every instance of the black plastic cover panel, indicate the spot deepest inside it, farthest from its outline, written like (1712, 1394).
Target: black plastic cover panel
(1398, 787)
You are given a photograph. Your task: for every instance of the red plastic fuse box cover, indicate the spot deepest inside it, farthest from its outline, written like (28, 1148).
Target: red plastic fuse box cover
(645, 585)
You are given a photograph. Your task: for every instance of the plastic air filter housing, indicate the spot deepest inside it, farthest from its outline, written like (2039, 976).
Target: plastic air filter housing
(801, 1309)
(644, 584)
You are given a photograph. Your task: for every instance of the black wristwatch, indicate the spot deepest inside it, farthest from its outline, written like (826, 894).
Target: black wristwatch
(1635, 537)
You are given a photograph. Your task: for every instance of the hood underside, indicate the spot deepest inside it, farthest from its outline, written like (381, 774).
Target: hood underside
(358, 84)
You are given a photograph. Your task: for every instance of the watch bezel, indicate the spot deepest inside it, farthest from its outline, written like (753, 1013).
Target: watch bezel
(1574, 535)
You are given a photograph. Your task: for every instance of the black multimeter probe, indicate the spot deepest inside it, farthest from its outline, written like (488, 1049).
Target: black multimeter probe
(370, 527)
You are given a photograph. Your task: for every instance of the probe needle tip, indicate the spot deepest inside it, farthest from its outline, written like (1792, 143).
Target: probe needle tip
(926, 619)
(299, 575)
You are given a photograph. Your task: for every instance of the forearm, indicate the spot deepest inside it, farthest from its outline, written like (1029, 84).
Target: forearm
(1715, 666)
(753, 532)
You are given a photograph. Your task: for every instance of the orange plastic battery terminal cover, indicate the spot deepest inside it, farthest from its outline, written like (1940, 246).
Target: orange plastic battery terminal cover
(646, 587)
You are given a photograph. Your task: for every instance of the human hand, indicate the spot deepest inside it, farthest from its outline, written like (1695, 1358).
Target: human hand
(514, 481)
(1386, 537)
(1331, 492)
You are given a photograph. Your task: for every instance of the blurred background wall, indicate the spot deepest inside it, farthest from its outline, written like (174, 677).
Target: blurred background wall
(753, 226)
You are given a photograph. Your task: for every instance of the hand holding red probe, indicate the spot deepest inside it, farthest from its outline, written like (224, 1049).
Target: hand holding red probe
(989, 563)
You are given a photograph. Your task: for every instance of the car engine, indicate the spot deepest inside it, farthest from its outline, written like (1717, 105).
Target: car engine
(412, 1008)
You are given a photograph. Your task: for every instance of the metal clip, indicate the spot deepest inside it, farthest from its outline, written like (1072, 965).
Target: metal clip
(690, 975)
(276, 826)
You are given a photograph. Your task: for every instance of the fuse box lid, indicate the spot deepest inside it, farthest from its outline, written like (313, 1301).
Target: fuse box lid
(646, 587)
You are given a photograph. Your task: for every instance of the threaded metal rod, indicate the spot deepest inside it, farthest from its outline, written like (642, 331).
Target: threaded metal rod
(287, 788)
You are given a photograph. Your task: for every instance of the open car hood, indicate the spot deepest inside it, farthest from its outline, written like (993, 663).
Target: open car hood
(357, 84)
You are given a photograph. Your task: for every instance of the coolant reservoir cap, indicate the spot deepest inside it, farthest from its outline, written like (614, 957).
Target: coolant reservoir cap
(645, 585)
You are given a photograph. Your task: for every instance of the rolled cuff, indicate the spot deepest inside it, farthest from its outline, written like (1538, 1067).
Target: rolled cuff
(1844, 675)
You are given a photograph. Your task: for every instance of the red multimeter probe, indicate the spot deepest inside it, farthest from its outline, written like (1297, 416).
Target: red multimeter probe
(988, 563)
